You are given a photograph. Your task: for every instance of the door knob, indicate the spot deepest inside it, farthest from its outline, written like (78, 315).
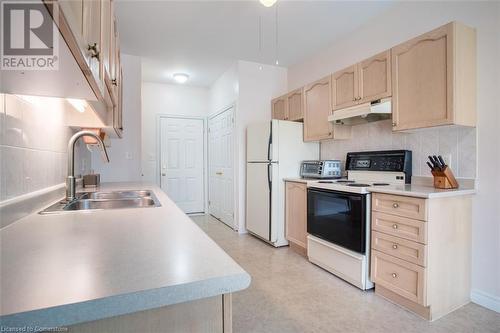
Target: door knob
(163, 174)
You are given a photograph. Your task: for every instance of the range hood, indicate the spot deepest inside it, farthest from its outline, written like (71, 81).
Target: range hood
(363, 113)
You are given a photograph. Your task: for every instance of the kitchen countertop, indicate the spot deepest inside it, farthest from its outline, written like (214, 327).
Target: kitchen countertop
(73, 267)
(420, 189)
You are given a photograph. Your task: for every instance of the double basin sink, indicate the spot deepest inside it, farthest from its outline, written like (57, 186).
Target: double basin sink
(106, 200)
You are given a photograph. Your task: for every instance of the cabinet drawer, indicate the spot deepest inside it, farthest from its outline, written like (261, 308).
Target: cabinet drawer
(414, 208)
(401, 248)
(413, 230)
(399, 276)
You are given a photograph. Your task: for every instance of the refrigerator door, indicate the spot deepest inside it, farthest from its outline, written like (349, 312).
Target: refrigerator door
(260, 199)
(260, 142)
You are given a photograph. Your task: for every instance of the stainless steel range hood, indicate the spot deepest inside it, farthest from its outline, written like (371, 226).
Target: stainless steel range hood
(363, 113)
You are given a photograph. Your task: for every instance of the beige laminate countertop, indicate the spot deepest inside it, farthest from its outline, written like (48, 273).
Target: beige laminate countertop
(73, 267)
(410, 190)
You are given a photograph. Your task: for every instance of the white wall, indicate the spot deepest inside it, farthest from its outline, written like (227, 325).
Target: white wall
(125, 153)
(406, 20)
(225, 90)
(166, 99)
(249, 87)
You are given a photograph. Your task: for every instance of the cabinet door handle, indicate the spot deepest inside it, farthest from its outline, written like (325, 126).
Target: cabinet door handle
(114, 82)
(395, 246)
(94, 50)
(394, 226)
(394, 124)
(394, 275)
(219, 173)
(395, 205)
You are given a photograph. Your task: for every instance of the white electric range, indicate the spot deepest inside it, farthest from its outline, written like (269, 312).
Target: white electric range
(339, 212)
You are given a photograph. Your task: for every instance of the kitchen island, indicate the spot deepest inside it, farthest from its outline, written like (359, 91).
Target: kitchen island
(81, 269)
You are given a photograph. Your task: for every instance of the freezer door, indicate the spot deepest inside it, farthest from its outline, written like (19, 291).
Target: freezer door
(259, 199)
(259, 142)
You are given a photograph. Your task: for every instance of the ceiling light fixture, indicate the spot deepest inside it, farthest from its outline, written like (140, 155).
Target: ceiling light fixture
(181, 77)
(268, 3)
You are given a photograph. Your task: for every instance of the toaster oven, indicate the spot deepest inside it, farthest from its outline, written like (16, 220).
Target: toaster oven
(321, 169)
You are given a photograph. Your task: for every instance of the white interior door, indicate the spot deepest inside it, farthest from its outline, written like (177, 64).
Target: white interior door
(220, 167)
(182, 162)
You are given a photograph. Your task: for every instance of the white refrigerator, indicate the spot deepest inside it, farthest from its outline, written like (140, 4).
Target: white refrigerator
(275, 150)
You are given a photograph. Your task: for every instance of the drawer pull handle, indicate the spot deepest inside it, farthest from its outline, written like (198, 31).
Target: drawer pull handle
(395, 246)
(394, 226)
(395, 205)
(394, 275)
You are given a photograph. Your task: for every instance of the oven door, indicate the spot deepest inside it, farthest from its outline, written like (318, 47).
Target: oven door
(337, 217)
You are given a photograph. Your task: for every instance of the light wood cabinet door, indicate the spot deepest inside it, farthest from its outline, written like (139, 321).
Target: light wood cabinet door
(316, 110)
(296, 213)
(345, 88)
(434, 79)
(294, 105)
(92, 37)
(375, 77)
(278, 107)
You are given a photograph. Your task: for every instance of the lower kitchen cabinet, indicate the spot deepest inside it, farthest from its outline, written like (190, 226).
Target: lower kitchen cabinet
(208, 315)
(421, 252)
(296, 215)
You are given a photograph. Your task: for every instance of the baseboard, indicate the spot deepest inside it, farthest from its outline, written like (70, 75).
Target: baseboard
(487, 300)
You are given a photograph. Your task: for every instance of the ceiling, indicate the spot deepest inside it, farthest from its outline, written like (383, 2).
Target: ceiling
(203, 38)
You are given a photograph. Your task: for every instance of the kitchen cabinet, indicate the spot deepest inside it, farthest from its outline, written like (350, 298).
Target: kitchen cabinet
(89, 28)
(294, 105)
(345, 88)
(296, 215)
(317, 108)
(418, 246)
(434, 79)
(375, 80)
(364, 82)
(278, 107)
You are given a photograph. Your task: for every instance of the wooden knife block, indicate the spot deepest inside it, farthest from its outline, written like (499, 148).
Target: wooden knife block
(444, 179)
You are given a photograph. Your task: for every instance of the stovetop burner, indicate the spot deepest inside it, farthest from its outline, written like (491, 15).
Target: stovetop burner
(380, 184)
(358, 185)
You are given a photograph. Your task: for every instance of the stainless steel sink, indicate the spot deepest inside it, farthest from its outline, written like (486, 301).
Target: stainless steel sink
(86, 204)
(105, 200)
(116, 195)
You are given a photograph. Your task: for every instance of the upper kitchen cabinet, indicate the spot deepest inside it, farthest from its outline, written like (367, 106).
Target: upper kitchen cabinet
(434, 79)
(345, 88)
(295, 105)
(317, 108)
(90, 30)
(278, 108)
(375, 77)
(364, 82)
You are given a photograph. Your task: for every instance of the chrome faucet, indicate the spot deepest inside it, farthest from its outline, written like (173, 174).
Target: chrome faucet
(71, 180)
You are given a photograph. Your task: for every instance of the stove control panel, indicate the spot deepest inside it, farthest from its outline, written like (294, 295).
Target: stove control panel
(387, 160)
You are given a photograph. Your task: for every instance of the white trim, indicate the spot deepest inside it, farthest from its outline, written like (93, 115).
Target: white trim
(489, 301)
(236, 220)
(159, 116)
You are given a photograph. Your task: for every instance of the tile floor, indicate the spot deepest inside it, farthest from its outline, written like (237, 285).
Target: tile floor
(288, 294)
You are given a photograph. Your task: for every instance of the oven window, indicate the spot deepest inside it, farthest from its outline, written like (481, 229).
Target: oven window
(337, 217)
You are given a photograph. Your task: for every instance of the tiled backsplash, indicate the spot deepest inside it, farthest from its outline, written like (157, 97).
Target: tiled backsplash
(33, 144)
(457, 145)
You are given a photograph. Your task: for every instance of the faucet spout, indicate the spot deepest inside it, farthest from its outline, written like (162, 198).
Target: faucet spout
(71, 180)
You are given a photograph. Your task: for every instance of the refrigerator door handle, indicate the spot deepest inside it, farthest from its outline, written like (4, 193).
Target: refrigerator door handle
(270, 184)
(270, 142)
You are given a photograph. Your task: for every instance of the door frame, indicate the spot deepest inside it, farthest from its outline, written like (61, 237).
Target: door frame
(235, 226)
(161, 116)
